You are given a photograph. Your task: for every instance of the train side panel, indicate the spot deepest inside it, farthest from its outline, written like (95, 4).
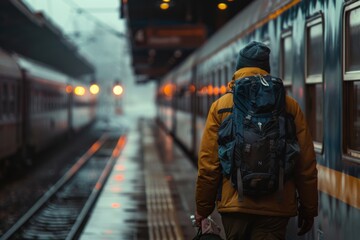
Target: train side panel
(315, 50)
(47, 113)
(10, 108)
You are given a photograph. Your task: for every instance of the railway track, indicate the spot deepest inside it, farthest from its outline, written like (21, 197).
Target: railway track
(62, 211)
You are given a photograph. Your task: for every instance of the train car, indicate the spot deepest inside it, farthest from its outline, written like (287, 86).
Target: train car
(315, 51)
(10, 109)
(39, 105)
(83, 106)
(46, 104)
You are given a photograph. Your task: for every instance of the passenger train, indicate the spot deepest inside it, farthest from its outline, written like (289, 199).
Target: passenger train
(38, 105)
(315, 50)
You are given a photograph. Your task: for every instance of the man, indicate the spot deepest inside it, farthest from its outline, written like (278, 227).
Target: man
(265, 217)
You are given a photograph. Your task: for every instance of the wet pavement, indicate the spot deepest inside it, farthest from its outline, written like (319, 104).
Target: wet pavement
(150, 192)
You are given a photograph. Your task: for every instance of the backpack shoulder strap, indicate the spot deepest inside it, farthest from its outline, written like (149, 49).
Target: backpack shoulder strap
(224, 110)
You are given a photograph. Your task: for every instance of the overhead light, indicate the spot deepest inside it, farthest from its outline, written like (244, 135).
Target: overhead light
(164, 6)
(166, 1)
(222, 6)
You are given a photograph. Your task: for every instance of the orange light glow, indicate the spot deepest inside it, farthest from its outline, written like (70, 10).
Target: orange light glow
(166, 1)
(164, 6)
(95, 147)
(118, 90)
(210, 90)
(120, 144)
(79, 90)
(94, 89)
(119, 167)
(168, 90)
(216, 90)
(119, 177)
(222, 6)
(204, 90)
(115, 189)
(115, 205)
(222, 89)
(68, 89)
(192, 88)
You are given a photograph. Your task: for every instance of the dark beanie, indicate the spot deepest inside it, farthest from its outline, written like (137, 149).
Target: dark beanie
(255, 54)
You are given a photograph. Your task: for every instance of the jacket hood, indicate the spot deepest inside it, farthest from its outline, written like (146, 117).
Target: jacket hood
(245, 72)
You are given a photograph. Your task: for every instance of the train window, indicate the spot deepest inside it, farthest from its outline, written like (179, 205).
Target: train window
(18, 97)
(287, 61)
(233, 66)
(315, 46)
(314, 80)
(223, 86)
(201, 98)
(218, 83)
(352, 80)
(5, 99)
(12, 99)
(197, 95)
(212, 87)
(209, 93)
(1, 110)
(352, 58)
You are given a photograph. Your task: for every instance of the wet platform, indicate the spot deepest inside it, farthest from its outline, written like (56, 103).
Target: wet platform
(150, 193)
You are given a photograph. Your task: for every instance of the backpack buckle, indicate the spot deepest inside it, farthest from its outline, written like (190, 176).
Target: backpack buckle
(263, 81)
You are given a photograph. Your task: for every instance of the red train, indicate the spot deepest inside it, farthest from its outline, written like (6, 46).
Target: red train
(315, 50)
(38, 105)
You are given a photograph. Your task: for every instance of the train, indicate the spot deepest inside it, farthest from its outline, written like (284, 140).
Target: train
(38, 106)
(315, 51)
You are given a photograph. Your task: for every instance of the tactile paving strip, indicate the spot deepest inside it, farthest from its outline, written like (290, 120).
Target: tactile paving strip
(162, 220)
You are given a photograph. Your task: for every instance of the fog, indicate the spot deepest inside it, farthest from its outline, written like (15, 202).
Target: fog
(100, 36)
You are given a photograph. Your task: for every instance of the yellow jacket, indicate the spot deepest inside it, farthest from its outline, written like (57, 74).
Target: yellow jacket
(209, 172)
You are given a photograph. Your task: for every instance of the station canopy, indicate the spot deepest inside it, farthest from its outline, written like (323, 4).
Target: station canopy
(164, 32)
(31, 35)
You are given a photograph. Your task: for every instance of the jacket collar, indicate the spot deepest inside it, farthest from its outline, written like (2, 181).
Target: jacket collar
(245, 72)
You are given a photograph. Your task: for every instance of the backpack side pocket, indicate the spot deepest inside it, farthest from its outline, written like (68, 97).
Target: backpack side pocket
(226, 142)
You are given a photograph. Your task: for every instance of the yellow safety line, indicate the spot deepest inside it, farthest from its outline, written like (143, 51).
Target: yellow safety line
(339, 185)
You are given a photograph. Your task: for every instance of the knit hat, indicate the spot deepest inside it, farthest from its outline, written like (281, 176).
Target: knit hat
(255, 54)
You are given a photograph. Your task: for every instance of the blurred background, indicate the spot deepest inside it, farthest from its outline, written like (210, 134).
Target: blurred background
(100, 35)
(113, 42)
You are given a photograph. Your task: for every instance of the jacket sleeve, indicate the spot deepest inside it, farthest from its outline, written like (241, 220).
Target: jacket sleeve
(208, 166)
(305, 169)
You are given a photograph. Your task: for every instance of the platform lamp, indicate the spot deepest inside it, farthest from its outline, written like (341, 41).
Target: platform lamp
(117, 88)
(94, 87)
(118, 91)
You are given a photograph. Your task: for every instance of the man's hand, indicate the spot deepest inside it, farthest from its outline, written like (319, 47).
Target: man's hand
(198, 219)
(305, 224)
